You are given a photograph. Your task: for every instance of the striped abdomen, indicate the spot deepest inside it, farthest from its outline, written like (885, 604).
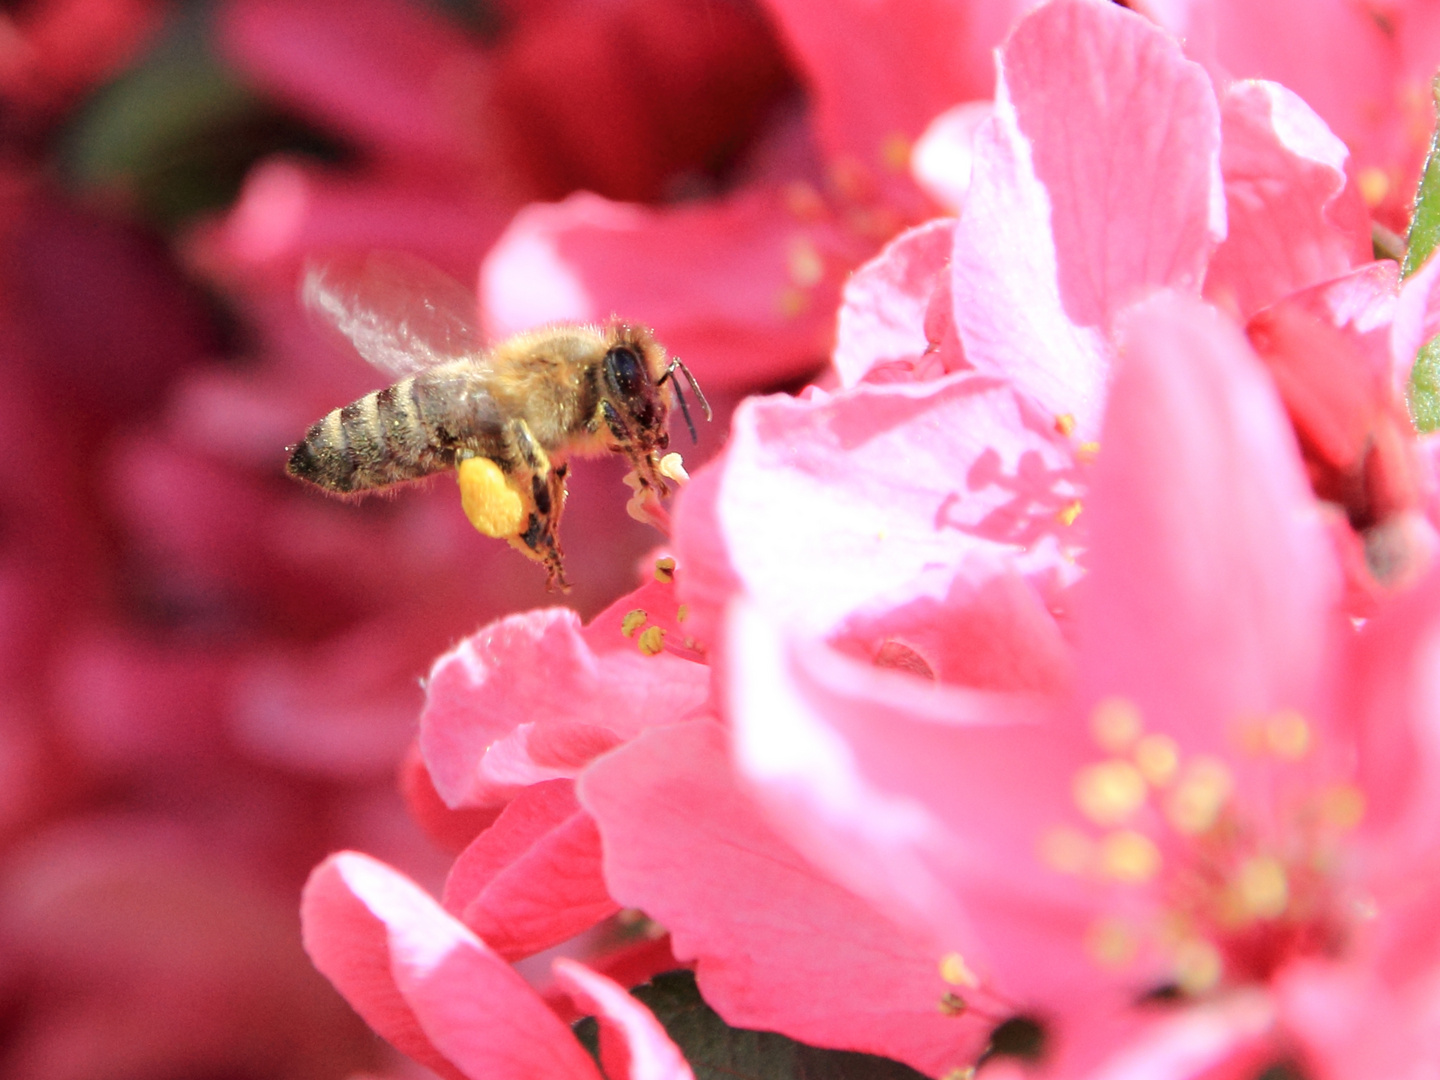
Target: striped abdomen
(384, 438)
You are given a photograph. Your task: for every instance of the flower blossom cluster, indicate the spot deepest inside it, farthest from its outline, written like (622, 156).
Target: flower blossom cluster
(1065, 666)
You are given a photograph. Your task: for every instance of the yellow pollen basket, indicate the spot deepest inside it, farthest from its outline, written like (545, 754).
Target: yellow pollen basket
(489, 500)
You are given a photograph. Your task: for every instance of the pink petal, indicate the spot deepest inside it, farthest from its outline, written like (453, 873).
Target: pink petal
(628, 98)
(1211, 579)
(945, 155)
(1293, 219)
(288, 210)
(931, 806)
(384, 72)
(990, 631)
(880, 73)
(1392, 706)
(777, 946)
(1328, 349)
(743, 289)
(533, 879)
(350, 945)
(883, 313)
(527, 700)
(1417, 318)
(425, 982)
(633, 1045)
(872, 497)
(1096, 113)
(450, 830)
(1228, 1039)
(1348, 1021)
(1343, 61)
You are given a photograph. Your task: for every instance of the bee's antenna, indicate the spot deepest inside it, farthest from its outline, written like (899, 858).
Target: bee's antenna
(678, 364)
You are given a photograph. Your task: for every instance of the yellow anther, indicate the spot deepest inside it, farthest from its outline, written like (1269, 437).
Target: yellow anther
(1067, 850)
(1065, 424)
(1067, 514)
(952, 1004)
(672, 466)
(1248, 733)
(632, 621)
(1087, 452)
(1287, 734)
(895, 152)
(665, 570)
(489, 500)
(849, 178)
(1198, 966)
(1111, 943)
(954, 971)
(1157, 757)
(792, 302)
(1109, 792)
(1196, 800)
(1342, 806)
(966, 1073)
(682, 613)
(802, 200)
(1115, 724)
(1261, 888)
(651, 640)
(1128, 856)
(805, 263)
(1374, 185)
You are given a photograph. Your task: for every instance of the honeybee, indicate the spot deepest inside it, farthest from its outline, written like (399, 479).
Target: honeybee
(509, 417)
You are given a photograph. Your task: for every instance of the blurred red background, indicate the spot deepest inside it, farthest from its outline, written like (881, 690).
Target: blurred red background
(209, 675)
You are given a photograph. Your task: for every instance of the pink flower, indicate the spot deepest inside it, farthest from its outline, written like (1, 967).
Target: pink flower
(1366, 69)
(1213, 807)
(437, 992)
(888, 572)
(744, 286)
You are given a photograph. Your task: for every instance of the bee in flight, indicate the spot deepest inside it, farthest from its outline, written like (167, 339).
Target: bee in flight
(508, 417)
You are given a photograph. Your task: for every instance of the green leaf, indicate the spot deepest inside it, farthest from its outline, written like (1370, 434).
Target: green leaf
(1424, 234)
(175, 134)
(717, 1051)
(1423, 393)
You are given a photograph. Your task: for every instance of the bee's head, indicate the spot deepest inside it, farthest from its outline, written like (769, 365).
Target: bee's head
(636, 412)
(634, 405)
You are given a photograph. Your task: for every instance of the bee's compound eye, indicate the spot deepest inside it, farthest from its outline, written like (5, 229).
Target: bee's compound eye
(624, 372)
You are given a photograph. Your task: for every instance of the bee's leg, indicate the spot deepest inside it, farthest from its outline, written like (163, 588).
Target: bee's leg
(546, 488)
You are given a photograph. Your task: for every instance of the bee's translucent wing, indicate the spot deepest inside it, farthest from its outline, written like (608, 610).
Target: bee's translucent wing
(401, 314)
